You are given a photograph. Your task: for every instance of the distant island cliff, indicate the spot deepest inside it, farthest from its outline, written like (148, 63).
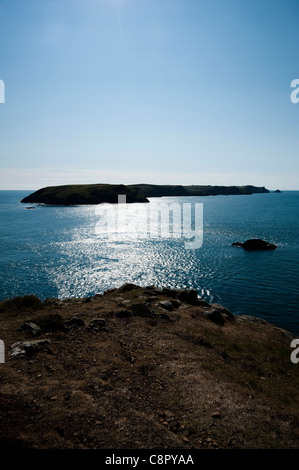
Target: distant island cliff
(99, 193)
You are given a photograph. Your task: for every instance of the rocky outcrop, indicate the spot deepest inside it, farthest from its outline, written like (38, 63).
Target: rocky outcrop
(144, 367)
(255, 244)
(32, 328)
(155, 190)
(100, 193)
(29, 348)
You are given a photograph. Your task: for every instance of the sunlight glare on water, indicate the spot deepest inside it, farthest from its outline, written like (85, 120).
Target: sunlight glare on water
(58, 252)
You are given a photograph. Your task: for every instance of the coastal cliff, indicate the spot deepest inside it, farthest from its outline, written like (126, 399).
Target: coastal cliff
(84, 194)
(142, 367)
(99, 193)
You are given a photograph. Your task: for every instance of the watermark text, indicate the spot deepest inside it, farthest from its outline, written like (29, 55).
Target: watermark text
(295, 353)
(2, 91)
(154, 221)
(295, 93)
(2, 352)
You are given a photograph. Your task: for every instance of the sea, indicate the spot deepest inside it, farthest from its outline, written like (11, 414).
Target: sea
(57, 251)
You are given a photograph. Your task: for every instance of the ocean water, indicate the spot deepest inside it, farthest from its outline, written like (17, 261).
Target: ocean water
(56, 252)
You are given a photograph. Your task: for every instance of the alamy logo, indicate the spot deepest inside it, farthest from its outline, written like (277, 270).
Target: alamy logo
(2, 352)
(153, 220)
(295, 353)
(2, 91)
(295, 93)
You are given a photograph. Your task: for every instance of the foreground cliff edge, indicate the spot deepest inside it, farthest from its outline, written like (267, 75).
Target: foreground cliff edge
(99, 193)
(142, 367)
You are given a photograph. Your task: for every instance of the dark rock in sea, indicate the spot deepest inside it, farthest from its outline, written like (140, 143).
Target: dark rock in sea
(255, 244)
(277, 191)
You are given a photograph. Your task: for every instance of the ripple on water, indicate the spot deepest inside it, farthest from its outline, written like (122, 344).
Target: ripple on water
(55, 252)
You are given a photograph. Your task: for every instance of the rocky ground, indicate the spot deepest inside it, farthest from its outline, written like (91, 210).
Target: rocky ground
(141, 368)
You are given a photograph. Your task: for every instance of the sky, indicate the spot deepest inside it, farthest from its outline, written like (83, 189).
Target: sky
(149, 91)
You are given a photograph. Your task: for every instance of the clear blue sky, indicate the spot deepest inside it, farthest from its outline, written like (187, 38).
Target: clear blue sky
(156, 91)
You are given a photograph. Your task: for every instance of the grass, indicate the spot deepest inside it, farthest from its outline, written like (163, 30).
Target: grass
(137, 372)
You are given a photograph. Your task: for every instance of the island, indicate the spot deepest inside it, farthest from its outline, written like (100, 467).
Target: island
(255, 244)
(67, 195)
(78, 194)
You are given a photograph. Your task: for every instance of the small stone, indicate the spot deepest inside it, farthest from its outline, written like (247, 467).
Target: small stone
(166, 304)
(189, 296)
(97, 323)
(169, 414)
(174, 426)
(175, 303)
(224, 311)
(163, 316)
(216, 414)
(32, 328)
(75, 321)
(142, 310)
(123, 313)
(127, 287)
(215, 316)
